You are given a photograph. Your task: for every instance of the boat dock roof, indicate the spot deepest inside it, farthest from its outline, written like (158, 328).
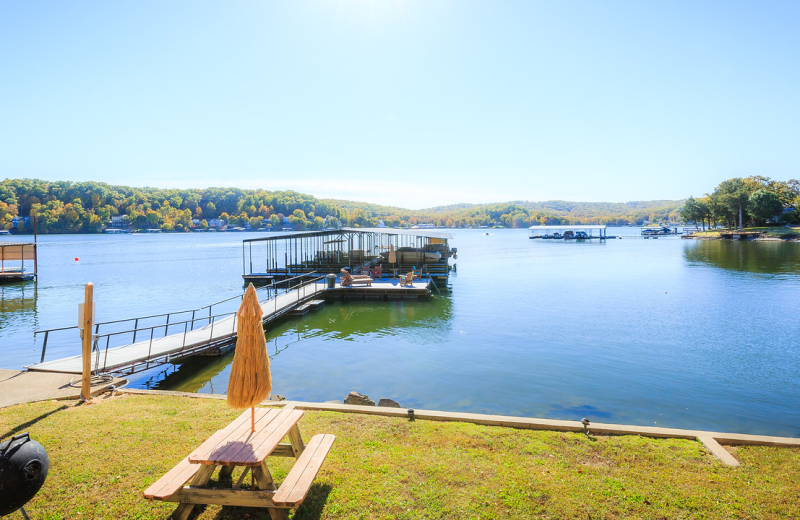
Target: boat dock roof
(423, 233)
(569, 226)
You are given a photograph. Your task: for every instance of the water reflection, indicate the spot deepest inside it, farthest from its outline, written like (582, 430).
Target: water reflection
(17, 297)
(18, 310)
(188, 375)
(752, 257)
(289, 342)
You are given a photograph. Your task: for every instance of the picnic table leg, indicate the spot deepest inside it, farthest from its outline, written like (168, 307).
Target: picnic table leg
(297, 441)
(200, 478)
(264, 480)
(225, 471)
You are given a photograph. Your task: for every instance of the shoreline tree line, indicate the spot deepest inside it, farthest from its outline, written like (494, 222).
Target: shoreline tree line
(87, 207)
(739, 201)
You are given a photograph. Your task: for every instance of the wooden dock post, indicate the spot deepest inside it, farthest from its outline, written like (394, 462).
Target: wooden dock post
(87, 322)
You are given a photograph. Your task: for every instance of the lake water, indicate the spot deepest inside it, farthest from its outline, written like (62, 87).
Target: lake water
(667, 332)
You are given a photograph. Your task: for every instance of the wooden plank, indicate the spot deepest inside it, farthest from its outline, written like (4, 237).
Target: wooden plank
(235, 440)
(295, 486)
(241, 477)
(717, 450)
(264, 480)
(211, 444)
(264, 444)
(238, 448)
(264, 477)
(202, 477)
(296, 441)
(172, 481)
(283, 450)
(224, 497)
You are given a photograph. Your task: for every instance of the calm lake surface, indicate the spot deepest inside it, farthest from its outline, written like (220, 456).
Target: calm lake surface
(667, 332)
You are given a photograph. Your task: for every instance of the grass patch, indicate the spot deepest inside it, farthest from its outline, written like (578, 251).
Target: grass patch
(103, 456)
(770, 232)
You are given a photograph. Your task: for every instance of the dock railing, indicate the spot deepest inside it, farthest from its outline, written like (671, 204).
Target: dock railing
(114, 338)
(425, 271)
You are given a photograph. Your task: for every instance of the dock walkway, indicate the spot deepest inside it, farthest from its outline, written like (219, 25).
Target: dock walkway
(221, 332)
(177, 345)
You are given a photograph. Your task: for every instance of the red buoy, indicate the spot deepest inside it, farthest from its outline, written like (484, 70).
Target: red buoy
(76, 258)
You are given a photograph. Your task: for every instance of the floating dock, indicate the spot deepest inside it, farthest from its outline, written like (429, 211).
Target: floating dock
(740, 235)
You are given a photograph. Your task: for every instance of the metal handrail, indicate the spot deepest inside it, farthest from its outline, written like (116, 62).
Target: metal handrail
(211, 319)
(152, 338)
(217, 303)
(204, 318)
(295, 277)
(146, 317)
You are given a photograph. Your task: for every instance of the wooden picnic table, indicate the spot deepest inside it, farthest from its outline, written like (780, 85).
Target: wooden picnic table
(237, 445)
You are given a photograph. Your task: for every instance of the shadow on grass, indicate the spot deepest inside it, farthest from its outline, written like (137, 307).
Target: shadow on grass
(312, 506)
(27, 424)
(310, 509)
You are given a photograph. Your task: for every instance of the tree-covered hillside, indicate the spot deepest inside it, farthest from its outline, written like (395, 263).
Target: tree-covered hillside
(88, 207)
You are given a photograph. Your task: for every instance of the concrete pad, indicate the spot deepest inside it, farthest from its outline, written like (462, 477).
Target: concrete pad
(717, 450)
(17, 387)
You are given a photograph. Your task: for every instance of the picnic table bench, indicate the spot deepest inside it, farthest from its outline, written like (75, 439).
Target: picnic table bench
(237, 445)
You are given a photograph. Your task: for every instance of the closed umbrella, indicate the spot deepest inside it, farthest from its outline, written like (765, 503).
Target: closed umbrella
(392, 255)
(250, 381)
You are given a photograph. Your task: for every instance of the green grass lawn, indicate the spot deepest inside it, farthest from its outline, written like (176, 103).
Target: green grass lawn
(103, 456)
(772, 232)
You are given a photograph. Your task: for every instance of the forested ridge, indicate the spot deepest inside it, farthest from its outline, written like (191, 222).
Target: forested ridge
(87, 207)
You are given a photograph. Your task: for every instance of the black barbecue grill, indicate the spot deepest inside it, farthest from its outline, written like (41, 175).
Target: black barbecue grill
(23, 468)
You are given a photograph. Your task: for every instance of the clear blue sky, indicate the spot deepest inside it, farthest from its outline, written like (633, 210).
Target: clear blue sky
(412, 103)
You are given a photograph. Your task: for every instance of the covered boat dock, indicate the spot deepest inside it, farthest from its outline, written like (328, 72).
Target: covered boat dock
(12, 262)
(359, 250)
(578, 231)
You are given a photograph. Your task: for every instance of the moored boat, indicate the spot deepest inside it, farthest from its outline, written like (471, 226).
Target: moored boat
(414, 255)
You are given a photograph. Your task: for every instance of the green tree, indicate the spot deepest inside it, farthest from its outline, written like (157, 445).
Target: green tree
(734, 194)
(275, 221)
(692, 211)
(764, 205)
(152, 218)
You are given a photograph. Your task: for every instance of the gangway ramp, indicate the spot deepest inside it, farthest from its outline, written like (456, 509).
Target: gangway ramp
(140, 355)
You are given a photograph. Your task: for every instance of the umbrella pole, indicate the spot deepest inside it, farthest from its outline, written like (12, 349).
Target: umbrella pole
(253, 419)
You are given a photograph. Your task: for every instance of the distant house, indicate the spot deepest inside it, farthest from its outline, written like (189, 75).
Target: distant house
(787, 211)
(120, 222)
(215, 223)
(26, 222)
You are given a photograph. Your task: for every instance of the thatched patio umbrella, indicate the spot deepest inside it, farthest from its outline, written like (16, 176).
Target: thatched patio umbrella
(392, 255)
(250, 381)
